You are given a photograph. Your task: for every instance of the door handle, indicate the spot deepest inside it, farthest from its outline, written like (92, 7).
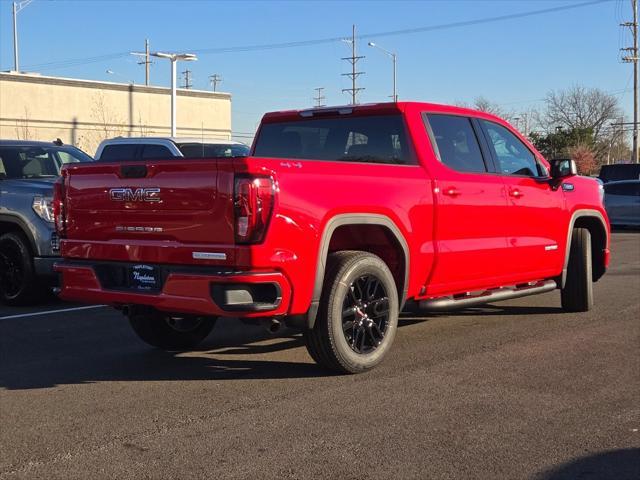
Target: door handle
(451, 192)
(515, 193)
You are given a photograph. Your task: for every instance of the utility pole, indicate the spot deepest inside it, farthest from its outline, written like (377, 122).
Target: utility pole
(146, 62)
(215, 79)
(633, 58)
(353, 59)
(17, 7)
(187, 79)
(319, 98)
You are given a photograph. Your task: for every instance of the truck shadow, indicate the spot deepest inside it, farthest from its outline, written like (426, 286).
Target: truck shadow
(99, 346)
(623, 464)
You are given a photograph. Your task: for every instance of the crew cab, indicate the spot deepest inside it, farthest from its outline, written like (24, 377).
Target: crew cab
(337, 218)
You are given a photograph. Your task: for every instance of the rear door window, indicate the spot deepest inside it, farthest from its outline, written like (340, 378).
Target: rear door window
(368, 139)
(456, 144)
(118, 152)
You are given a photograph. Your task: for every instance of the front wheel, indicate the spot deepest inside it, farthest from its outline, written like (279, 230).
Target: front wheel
(358, 314)
(577, 294)
(18, 283)
(171, 332)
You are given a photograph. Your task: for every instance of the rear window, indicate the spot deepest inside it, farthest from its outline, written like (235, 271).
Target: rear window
(371, 139)
(621, 171)
(119, 152)
(210, 150)
(155, 151)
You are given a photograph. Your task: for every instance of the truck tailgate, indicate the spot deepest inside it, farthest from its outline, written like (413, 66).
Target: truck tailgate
(178, 204)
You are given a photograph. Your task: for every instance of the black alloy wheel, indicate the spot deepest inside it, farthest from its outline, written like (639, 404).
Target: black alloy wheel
(365, 314)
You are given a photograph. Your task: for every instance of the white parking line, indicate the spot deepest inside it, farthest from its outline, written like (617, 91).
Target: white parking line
(49, 312)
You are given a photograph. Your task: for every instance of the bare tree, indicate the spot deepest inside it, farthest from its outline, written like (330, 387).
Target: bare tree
(582, 108)
(107, 124)
(585, 159)
(23, 132)
(483, 104)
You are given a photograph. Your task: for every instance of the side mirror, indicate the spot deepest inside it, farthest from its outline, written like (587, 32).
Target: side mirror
(563, 167)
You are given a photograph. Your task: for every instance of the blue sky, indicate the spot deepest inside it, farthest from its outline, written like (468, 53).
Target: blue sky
(511, 62)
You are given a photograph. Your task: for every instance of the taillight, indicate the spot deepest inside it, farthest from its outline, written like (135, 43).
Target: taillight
(253, 204)
(59, 210)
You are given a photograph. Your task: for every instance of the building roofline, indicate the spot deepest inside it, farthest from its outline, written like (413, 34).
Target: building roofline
(103, 85)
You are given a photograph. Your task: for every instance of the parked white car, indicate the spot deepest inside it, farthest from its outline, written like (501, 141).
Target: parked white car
(149, 148)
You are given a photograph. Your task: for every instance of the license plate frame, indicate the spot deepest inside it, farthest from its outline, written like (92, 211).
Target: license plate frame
(144, 278)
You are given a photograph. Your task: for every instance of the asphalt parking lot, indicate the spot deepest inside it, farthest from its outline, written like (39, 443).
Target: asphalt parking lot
(512, 390)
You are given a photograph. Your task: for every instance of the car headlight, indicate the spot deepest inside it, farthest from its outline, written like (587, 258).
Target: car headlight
(43, 206)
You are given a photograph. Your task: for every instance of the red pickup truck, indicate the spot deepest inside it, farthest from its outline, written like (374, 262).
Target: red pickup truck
(336, 219)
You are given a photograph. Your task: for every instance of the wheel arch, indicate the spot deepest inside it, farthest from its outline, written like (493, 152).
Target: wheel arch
(356, 220)
(11, 223)
(595, 222)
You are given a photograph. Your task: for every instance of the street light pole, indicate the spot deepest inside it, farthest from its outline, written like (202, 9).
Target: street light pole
(394, 59)
(174, 96)
(173, 58)
(17, 6)
(15, 37)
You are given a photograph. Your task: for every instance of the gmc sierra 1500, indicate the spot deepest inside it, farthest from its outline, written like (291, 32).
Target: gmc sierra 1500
(336, 219)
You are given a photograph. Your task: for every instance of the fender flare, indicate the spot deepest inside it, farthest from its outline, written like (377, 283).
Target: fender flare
(22, 225)
(581, 213)
(353, 219)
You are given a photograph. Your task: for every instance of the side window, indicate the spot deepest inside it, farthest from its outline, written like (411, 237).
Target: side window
(513, 156)
(456, 142)
(155, 151)
(66, 157)
(118, 152)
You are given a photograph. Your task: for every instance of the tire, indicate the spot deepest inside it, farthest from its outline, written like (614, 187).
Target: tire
(170, 332)
(358, 313)
(577, 294)
(18, 281)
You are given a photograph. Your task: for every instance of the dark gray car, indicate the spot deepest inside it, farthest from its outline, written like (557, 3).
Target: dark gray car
(28, 243)
(622, 202)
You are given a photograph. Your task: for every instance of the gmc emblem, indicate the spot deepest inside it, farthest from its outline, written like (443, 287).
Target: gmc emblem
(137, 195)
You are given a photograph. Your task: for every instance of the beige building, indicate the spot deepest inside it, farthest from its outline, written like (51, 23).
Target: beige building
(84, 112)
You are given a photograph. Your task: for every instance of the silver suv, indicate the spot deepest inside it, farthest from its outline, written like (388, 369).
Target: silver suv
(28, 243)
(150, 148)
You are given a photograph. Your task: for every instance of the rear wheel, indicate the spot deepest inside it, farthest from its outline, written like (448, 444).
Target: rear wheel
(358, 314)
(171, 332)
(18, 283)
(577, 294)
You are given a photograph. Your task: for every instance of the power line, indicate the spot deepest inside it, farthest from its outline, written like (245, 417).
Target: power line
(304, 43)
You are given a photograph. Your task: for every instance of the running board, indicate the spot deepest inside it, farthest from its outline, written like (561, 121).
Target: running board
(504, 293)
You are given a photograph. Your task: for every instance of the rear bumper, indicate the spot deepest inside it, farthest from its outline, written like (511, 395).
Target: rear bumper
(201, 291)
